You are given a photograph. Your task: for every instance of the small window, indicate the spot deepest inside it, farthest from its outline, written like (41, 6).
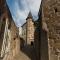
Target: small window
(32, 43)
(14, 38)
(4, 19)
(9, 27)
(56, 10)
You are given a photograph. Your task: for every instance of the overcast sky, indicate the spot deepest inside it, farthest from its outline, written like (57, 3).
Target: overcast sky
(20, 9)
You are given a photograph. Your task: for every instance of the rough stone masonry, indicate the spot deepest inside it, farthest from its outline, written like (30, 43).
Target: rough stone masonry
(51, 17)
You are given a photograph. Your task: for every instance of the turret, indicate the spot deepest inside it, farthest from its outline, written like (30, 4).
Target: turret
(30, 29)
(29, 16)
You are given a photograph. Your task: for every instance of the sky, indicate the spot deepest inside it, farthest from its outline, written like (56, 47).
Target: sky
(20, 9)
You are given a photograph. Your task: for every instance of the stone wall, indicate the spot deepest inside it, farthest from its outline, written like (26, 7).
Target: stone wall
(11, 41)
(9, 34)
(51, 16)
(30, 31)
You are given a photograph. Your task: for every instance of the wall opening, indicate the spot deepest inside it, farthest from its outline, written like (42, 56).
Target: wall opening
(14, 38)
(55, 10)
(32, 43)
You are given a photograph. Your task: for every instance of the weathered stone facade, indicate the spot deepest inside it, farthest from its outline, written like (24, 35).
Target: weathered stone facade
(24, 33)
(51, 16)
(9, 39)
(9, 36)
(28, 29)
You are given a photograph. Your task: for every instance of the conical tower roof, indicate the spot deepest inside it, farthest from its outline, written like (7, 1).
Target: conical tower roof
(29, 15)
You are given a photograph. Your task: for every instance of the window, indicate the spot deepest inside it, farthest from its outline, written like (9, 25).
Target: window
(4, 19)
(14, 38)
(9, 27)
(32, 43)
(55, 10)
(3, 24)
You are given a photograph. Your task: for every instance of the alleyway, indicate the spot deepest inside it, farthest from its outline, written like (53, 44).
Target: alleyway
(30, 52)
(27, 53)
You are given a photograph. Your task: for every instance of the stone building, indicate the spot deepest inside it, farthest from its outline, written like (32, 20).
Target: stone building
(30, 35)
(9, 39)
(28, 29)
(51, 18)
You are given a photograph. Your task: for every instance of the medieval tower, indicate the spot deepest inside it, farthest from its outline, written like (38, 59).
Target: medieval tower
(30, 29)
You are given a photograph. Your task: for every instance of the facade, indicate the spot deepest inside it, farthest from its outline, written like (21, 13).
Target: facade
(9, 35)
(51, 17)
(28, 30)
(9, 39)
(24, 32)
